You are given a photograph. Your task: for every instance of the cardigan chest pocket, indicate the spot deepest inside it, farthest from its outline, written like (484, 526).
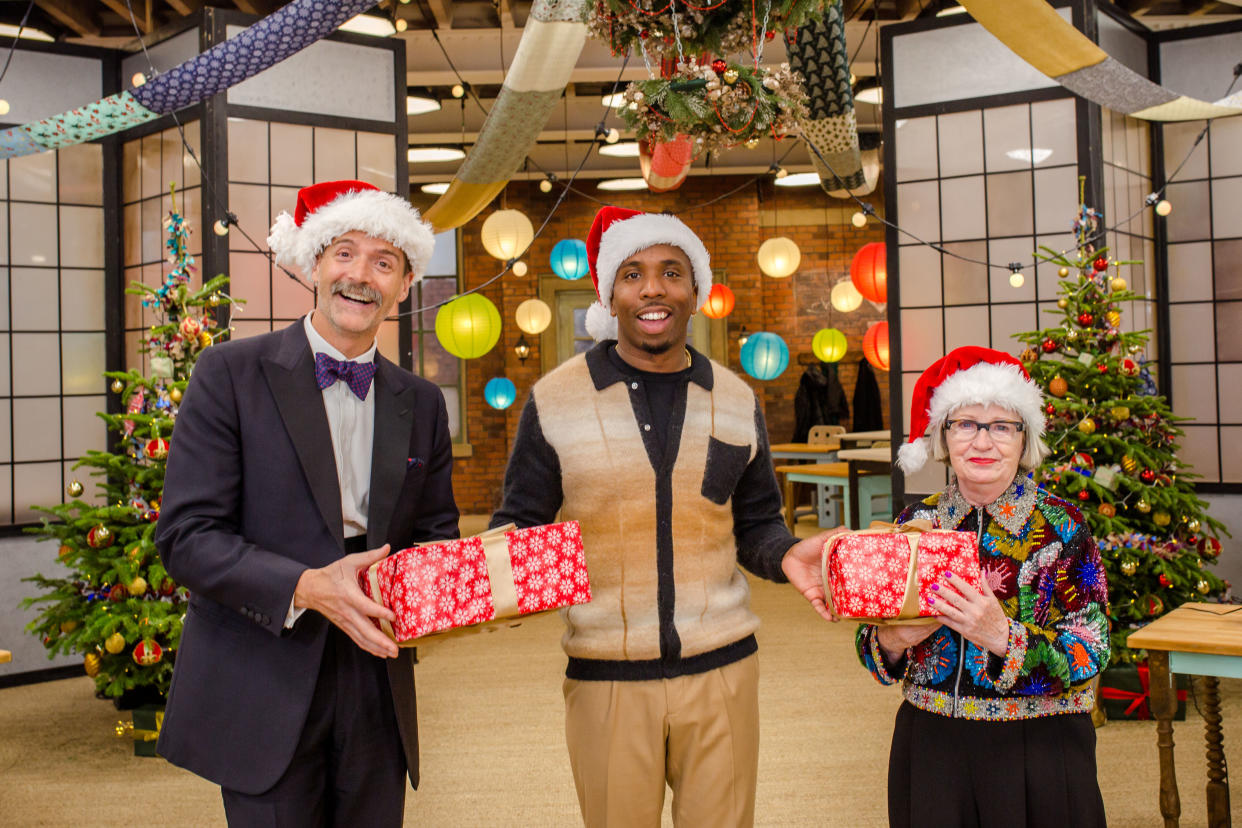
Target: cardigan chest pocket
(725, 464)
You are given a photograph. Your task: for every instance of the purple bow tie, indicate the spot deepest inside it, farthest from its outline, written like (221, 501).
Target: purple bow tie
(357, 375)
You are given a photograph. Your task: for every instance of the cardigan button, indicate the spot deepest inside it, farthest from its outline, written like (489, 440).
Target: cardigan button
(634, 385)
(646, 426)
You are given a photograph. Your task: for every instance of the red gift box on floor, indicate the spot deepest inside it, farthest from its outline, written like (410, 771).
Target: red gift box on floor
(885, 574)
(501, 573)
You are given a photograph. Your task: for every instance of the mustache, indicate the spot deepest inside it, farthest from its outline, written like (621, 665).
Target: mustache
(367, 293)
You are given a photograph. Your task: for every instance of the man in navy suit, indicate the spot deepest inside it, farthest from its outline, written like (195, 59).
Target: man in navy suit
(300, 458)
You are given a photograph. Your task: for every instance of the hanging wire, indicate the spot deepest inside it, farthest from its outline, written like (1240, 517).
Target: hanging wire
(13, 47)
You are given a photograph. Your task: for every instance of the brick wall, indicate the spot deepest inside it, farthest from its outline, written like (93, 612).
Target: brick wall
(795, 308)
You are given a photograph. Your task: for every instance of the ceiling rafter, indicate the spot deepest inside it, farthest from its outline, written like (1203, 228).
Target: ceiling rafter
(71, 15)
(185, 7)
(259, 8)
(441, 12)
(143, 13)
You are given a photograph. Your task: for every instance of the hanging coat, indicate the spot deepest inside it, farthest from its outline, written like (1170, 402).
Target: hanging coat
(820, 400)
(868, 411)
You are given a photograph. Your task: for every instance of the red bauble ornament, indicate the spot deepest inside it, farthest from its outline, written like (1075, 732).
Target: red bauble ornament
(157, 449)
(1102, 367)
(1048, 345)
(770, 35)
(1100, 264)
(1107, 510)
(1084, 495)
(1083, 459)
(1085, 319)
(718, 66)
(1154, 605)
(118, 593)
(1050, 409)
(190, 328)
(1129, 367)
(1165, 581)
(644, 34)
(1210, 548)
(99, 537)
(1147, 476)
(168, 587)
(147, 653)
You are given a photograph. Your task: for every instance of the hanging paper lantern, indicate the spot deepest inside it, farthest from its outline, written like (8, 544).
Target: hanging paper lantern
(468, 326)
(779, 257)
(829, 345)
(500, 392)
(869, 271)
(875, 345)
(569, 259)
(506, 233)
(765, 356)
(533, 316)
(845, 297)
(719, 302)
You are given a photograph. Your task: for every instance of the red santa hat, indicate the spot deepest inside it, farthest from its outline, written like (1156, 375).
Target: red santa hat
(329, 209)
(618, 233)
(969, 376)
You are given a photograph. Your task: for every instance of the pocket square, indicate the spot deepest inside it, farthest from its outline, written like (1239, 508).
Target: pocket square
(413, 463)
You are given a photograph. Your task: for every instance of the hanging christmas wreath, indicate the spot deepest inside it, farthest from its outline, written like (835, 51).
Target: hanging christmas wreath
(718, 105)
(674, 28)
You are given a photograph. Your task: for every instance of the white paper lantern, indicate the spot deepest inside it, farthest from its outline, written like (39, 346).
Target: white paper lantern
(779, 257)
(533, 316)
(506, 234)
(845, 297)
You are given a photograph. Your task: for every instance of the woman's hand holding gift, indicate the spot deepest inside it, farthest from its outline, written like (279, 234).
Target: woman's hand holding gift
(976, 614)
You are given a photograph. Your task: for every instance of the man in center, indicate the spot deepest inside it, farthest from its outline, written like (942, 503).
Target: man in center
(662, 456)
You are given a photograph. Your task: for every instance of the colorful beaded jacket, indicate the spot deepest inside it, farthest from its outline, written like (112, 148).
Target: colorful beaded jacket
(1040, 560)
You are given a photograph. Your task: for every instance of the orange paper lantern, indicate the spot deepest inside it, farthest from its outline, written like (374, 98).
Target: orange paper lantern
(869, 271)
(719, 302)
(875, 345)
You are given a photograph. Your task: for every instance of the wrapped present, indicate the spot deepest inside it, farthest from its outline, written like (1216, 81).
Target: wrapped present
(1125, 692)
(144, 729)
(502, 573)
(885, 574)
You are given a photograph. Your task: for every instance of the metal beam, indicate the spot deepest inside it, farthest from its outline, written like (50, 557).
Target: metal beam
(71, 15)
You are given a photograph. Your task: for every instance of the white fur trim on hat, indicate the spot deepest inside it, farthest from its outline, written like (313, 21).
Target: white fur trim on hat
(600, 323)
(625, 238)
(984, 383)
(376, 213)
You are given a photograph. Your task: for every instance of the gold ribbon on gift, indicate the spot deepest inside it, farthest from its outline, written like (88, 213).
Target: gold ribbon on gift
(140, 734)
(499, 572)
(909, 613)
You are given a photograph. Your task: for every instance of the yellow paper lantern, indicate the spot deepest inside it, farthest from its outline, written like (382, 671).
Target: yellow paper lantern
(829, 345)
(779, 257)
(469, 326)
(506, 234)
(845, 297)
(533, 316)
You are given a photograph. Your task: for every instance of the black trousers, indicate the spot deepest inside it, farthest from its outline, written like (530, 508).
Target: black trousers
(348, 768)
(957, 773)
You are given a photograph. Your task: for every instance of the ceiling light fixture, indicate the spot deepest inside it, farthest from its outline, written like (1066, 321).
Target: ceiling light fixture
(27, 33)
(1036, 155)
(435, 188)
(624, 149)
(430, 155)
(367, 24)
(950, 11)
(806, 179)
(615, 184)
(869, 91)
(420, 103)
(616, 100)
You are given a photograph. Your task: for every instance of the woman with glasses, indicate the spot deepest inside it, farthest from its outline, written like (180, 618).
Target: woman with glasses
(995, 729)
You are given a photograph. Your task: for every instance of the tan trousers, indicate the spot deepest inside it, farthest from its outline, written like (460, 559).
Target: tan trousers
(698, 733)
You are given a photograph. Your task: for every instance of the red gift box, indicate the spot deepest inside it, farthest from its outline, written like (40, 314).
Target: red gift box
(502, 573)
(886, 574)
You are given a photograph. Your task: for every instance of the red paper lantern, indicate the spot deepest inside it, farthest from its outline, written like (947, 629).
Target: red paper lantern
(719, 302)
(869, 272)
(875, 345)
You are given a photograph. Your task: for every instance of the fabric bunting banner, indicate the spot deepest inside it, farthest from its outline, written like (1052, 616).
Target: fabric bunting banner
(283, 33)
(1044, 39)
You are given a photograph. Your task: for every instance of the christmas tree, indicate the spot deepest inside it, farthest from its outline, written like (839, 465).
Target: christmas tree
(1114, 445)
(116, 604)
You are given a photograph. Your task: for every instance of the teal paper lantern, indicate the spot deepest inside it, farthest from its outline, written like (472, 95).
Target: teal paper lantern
(569, 259)
(500, 392)
(765, 356)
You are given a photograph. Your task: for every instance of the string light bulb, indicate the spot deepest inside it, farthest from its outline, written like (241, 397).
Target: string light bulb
(612, 136)
(138, 79)
(1163, 207)
(858, 219)
(458, 91)
(221, 227)
(1016, 279)
(545, 186)
(401, 24)
(519, 268)
(4, 107)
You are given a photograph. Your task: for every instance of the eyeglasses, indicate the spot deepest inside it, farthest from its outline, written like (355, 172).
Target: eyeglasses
(1002, 431)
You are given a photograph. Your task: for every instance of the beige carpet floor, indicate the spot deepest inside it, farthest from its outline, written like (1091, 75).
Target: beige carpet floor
(493, 746)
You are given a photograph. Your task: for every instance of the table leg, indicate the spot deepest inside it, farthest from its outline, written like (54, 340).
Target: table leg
(790, 505)
(852, 496)
(1217, 770)
(1163, 706)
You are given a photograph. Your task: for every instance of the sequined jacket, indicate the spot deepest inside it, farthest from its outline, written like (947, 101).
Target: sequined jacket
(1041, 561)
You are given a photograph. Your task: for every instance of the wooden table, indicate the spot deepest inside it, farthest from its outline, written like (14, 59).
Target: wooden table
(858, 439)
(814, 452)
(867, 461)
(860, 481)
(1203, 640)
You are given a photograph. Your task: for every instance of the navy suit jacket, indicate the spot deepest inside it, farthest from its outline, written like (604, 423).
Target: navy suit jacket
(251, 500)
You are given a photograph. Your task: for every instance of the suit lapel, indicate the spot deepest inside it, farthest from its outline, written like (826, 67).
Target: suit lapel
(291, 376)
(394, 417)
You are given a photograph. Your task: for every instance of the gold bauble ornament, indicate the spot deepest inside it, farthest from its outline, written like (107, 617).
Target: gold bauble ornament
(99, 537)
(215, 300)
(117, 386)
(1193, 524)
(137, 587)
(751, 143)
(115, 643)
(1134, 349)
(1160, 518)
(1058, 387)
(1128, 567)
(64, 550)
(1143, 506)
(1063, 272)
(1129, 464)
(729, 76)
(1118, 284)
(175, 395)
(1062, 303)
(1071, 335)
(1114, 318)
(1120, 412)
(74, 489)
(90, 663)
(1086, 425)
(68, 626)
(1201, 586)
